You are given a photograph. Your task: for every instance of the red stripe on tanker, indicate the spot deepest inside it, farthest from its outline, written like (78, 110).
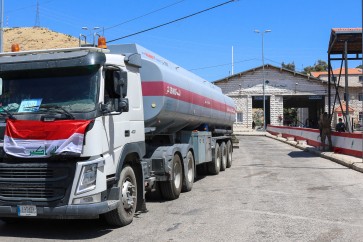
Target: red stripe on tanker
(160, 88)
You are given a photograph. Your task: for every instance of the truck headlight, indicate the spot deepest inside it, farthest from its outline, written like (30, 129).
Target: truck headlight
(87, 180)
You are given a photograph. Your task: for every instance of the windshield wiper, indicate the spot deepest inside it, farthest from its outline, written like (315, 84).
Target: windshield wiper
(57, 108)
(6, 113)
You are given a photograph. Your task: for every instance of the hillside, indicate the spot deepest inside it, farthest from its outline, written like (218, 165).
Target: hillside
(37, 38)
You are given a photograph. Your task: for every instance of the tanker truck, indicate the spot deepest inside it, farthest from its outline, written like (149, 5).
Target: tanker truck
(88, 132)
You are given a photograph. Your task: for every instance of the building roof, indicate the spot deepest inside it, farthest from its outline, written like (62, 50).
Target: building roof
(339, 36)
(351, 71)
(268, 66)
(339, 109)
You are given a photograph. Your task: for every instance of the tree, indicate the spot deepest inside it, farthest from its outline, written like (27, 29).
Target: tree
(360, 66)
(257, 115)
(289, 66)
(290, 116)
(320, 65)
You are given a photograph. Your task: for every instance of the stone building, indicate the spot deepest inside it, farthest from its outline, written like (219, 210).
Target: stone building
(283, 89)
(288, 89)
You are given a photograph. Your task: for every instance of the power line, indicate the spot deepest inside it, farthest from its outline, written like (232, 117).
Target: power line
(220, 65)
(176, 20)
(144, 15)
(61, 17)
(29, 6)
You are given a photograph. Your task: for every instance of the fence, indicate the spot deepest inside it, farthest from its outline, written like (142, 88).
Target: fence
(343, 143)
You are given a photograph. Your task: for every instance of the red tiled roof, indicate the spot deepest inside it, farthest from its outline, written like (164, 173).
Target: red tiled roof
(343, 30)
(351, 71)
(338, 109)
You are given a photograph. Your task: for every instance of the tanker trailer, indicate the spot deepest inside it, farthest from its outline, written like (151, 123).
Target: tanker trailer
(188, 123)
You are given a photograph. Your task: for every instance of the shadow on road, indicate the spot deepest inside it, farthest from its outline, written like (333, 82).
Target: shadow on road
(157, 197)
(301, 154)
(295, 167)
(55, 229)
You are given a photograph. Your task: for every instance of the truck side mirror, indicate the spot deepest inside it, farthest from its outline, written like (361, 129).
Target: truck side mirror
(120, 83)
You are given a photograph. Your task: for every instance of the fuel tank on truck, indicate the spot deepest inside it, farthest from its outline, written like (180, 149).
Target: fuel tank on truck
(176, 99)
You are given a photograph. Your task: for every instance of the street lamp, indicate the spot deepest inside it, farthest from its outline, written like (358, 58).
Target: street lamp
(263, 73)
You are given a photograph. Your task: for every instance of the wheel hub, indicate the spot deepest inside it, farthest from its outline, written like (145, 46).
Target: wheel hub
(128, 195)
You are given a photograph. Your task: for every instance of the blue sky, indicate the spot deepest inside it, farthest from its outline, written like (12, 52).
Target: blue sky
(300, 30)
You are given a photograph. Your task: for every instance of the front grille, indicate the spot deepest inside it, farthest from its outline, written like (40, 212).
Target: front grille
(26, 173)
(37, 182)
(31, 192)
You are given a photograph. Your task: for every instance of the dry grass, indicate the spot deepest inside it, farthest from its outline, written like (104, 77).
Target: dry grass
(37, 38)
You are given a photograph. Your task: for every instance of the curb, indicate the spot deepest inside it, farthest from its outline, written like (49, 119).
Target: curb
(351, 162)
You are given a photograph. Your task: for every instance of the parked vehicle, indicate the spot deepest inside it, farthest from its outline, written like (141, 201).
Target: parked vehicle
(88, 131)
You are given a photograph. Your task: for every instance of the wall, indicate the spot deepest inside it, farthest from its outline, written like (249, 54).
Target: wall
(344, 143)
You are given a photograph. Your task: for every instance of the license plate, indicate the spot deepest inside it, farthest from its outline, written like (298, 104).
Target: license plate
(27, 210)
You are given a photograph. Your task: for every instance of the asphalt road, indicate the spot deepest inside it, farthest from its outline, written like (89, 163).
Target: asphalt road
(272, 192)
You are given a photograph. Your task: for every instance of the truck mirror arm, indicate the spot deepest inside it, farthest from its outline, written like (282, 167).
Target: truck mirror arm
(122, 106)
(105, 108)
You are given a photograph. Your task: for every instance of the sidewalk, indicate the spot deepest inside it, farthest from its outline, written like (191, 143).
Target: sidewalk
(351, 162)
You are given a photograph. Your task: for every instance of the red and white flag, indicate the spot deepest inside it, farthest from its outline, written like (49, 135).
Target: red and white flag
(29, 138)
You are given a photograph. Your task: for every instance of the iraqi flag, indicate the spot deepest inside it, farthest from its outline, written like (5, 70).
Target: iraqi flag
(28, 138)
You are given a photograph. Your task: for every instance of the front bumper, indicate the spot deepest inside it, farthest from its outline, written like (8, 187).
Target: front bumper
(92, 210)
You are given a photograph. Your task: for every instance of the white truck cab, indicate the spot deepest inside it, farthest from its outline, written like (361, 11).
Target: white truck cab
(63, 86)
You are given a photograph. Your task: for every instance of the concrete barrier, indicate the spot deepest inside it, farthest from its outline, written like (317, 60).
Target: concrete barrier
(343, 143)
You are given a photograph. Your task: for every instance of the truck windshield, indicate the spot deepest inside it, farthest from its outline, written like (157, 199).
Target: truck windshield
(73, 89)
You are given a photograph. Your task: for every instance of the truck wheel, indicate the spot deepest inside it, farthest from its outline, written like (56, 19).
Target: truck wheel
(223, 156)
(229, 154)
(171, 189)
(189, 177)
(124, 213)
(215, 164)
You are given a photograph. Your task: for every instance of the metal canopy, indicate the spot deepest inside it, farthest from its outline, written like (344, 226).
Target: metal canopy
(345, 44)
(339, 36)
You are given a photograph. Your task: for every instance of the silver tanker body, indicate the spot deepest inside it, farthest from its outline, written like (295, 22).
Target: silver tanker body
(176, 99)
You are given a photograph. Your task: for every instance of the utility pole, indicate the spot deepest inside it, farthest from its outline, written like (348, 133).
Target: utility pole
(263, 73)
(232, 62)
(37, 18)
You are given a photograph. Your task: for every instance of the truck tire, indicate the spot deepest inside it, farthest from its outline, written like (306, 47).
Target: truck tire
(124, 213)
(229, 154)
(171, 189)
(223, 156)
(215, 165)
(189, 177)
